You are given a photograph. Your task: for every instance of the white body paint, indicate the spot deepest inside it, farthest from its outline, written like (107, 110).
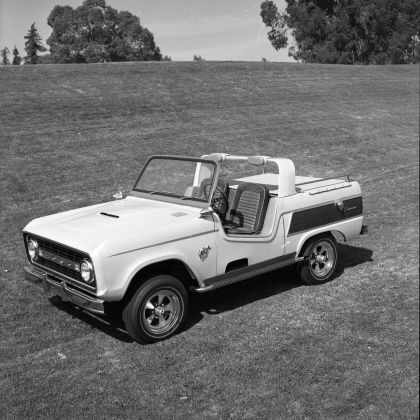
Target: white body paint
(145, 229)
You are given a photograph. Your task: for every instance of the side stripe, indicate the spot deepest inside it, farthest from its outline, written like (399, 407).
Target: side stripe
(244, 273)
(325, 215)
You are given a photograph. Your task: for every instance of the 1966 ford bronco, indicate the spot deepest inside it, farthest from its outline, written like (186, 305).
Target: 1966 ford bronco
(191, 225)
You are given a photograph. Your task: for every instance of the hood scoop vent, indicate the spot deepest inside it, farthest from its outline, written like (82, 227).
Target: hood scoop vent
(110, 215)
(179, 214)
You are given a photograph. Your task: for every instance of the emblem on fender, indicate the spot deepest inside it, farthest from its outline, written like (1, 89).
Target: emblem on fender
(203, 253)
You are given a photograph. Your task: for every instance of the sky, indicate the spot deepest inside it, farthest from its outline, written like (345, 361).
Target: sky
(212, 29)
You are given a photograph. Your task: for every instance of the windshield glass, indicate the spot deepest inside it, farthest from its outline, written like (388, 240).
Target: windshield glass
(184, 178)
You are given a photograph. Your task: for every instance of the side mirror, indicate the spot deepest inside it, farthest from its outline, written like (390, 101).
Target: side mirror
(117, 196)
(206, 212)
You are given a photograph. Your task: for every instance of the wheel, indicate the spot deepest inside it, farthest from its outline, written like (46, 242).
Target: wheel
(157, 310)
(320, 262)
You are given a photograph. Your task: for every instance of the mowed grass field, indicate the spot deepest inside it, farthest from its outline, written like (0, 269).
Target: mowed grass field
(265, 348)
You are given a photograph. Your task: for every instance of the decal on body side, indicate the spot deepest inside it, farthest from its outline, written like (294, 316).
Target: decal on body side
(324, 215)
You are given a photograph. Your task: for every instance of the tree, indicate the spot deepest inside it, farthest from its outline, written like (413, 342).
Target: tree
(95, 32)
(198, 58)
(33, 44)
(5, 56)
(46, 59)
(346, 31)
(16, 57)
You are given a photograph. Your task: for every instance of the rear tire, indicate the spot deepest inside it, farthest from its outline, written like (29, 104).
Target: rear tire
(157, 310)
(320, 260)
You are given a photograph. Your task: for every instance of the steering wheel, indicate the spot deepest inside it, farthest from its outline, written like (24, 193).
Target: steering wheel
(220, 203)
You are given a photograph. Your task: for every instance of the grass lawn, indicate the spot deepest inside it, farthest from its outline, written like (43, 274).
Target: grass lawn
(71, 135)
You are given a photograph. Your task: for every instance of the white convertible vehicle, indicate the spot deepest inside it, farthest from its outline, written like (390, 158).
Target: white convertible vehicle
(191, 225)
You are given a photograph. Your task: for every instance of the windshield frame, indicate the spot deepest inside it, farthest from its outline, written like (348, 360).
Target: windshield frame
(172, 198)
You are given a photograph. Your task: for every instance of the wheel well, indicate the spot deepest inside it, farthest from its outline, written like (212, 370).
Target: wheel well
(303, 249)
(174, 268)
(338, 236)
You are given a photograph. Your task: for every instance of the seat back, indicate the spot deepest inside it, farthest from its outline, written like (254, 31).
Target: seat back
(248, 208)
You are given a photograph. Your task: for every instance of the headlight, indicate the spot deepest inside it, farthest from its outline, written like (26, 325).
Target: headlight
(33, 249)
(86, 271)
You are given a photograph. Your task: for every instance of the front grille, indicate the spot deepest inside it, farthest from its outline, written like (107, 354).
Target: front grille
(60, 259)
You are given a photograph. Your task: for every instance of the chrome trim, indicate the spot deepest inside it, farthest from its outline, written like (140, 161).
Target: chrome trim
(63, 277)
(61, 289)
(345, 177)
(64, 262)
(328, 189)
(91, 271)
(35, 245)
(79, 283)
(324, 203)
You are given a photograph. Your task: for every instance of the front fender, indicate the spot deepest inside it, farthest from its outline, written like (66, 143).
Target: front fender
(119, 270)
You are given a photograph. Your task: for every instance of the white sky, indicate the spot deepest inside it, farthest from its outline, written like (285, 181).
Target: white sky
(214, 29)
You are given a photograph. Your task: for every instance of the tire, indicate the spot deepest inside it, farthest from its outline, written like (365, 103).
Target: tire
(157, 309)
(320, 260)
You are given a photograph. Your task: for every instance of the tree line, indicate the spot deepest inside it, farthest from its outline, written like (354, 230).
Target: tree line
(346, 31)
(320, 31)
(91, 33)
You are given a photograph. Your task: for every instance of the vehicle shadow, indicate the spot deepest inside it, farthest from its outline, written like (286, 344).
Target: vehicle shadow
(266, 285)
(223, 299)
(110, 324)
(351, 256)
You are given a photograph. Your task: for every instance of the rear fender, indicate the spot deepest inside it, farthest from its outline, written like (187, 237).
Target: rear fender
(347, 229)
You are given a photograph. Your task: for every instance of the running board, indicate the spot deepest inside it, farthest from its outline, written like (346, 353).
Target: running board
(245, 273)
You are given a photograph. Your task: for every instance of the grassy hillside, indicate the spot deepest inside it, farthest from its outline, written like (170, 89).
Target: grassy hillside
(266, 348)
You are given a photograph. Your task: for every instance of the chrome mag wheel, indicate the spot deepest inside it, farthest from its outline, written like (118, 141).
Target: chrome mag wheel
(161, 311)
(156, 310)
(322, 259)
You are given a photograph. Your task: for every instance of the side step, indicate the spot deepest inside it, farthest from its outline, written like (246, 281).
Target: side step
(245, 273)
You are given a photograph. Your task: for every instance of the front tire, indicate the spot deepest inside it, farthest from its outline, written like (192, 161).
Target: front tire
(157, 309)
(320, 260)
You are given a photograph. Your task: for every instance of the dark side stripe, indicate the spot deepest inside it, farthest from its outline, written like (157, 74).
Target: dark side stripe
(325, 215)
(247, 272)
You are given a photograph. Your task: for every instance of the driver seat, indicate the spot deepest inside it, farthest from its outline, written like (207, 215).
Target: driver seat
(247, 213)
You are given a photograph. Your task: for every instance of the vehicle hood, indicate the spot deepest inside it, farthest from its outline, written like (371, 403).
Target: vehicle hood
(119, 226)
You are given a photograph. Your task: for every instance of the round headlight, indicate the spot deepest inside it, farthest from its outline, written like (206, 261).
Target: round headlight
(33, 249)
(86, 271)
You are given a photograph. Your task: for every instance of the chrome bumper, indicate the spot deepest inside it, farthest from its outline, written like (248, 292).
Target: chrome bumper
(65, 292)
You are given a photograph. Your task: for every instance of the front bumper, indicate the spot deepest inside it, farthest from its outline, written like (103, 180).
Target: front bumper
(64, 291)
